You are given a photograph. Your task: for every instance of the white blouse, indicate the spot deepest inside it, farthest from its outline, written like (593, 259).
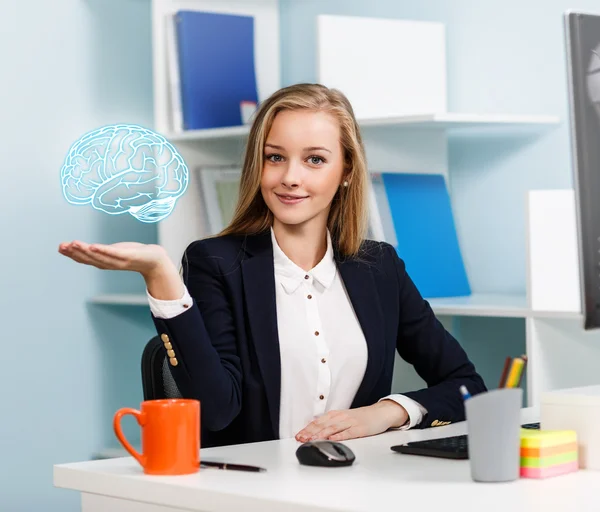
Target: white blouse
(322, 345)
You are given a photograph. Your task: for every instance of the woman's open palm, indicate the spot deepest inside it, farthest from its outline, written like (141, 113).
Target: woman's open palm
(142, 258)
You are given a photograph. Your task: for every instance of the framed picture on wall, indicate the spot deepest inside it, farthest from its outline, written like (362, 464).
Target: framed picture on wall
(220, 187)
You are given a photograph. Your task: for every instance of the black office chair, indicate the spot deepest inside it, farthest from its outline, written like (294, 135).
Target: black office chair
(157, 381)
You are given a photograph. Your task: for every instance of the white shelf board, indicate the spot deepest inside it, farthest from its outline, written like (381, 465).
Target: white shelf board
(450, 120)
(496, 305)
(123, 299)
(441, 121)
(566, 315)
(474, 305)
(477, 304)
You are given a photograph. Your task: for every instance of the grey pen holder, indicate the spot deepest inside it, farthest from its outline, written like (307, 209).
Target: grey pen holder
(494, 434)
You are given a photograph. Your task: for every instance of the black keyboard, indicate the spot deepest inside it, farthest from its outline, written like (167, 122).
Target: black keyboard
(455, 447)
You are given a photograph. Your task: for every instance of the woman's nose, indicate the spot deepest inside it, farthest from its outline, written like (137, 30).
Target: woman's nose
(291, 177)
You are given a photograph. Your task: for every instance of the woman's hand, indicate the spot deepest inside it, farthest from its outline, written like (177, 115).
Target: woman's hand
(142, 258)
(351, 423)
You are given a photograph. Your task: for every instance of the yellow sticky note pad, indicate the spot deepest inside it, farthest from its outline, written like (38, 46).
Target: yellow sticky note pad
(546, 438)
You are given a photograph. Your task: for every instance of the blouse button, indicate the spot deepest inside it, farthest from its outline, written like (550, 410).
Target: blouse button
(323, 360)
(316, 333)
(309, 296)
(321, 397)
(306, 276)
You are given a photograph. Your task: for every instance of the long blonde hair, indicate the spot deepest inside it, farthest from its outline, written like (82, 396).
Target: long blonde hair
(348, 216)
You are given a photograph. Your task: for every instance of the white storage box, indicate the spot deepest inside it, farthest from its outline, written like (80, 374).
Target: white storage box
(575, 409)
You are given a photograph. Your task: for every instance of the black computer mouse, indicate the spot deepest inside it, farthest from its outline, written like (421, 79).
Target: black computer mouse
(325, 453)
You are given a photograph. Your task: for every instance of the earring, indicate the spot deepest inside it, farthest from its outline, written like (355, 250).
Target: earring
(345, 183)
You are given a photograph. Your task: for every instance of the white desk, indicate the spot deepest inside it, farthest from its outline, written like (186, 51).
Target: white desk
(379, 479)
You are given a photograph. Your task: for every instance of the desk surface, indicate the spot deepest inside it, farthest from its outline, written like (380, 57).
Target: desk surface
(378, 478)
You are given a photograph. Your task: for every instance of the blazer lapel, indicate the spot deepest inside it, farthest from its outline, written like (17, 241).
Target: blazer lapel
(360, 285)
(259, 291)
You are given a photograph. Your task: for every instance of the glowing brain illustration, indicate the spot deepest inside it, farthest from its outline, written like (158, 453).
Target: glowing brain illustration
(125, 168)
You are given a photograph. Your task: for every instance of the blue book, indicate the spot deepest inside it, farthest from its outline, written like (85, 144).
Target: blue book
(216, 66)
(425, 230)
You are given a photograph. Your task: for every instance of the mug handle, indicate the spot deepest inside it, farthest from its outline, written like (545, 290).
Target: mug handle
(140, 418)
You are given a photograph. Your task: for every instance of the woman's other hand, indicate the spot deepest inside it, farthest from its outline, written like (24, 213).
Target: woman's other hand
(349, 424)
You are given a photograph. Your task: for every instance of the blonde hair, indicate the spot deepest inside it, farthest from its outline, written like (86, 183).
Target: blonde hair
(348, 216)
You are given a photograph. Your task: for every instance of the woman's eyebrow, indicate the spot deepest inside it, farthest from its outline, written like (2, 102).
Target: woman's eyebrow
(311, 148)
(317, 148)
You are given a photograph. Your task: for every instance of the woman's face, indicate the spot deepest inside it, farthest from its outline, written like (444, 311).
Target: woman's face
(304, 166)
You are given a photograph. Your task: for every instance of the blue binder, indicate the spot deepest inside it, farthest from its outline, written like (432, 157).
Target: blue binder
(426, 234)
(216, 67)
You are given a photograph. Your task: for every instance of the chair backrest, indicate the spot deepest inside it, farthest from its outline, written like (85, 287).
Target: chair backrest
(157, 381)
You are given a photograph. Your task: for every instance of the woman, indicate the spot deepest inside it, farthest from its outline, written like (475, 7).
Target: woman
(286, 323)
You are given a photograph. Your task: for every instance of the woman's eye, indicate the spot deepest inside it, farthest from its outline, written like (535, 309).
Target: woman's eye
(274, 157)
(315, 160)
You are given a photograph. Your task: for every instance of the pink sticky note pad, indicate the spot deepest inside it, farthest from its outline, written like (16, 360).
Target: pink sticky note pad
(559, 469)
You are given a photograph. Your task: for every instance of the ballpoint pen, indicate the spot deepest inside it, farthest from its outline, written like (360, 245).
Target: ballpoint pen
(226, 465)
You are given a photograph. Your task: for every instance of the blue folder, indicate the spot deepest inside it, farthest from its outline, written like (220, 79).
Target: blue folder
(216, 67)
(427, 240)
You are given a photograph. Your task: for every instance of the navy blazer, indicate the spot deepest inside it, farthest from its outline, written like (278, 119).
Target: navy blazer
(227, 347)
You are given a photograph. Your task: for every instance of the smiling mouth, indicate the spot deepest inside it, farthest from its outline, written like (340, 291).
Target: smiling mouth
(290, 199)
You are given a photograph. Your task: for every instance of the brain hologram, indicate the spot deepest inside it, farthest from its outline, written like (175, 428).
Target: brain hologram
(125, 168)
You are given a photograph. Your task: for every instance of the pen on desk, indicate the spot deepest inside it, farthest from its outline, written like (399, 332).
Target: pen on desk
(465, 392)
(226, 465)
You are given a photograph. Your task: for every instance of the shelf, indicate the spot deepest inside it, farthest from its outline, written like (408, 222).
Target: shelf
(121, 299)
(474, 305)
(478, 304)
(566, 315)
(490, 305)
(448, 121)
(443, 121)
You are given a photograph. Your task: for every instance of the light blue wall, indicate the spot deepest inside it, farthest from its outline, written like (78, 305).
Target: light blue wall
(67, 67)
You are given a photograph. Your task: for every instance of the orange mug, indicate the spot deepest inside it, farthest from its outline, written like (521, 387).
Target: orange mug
(170, 436)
